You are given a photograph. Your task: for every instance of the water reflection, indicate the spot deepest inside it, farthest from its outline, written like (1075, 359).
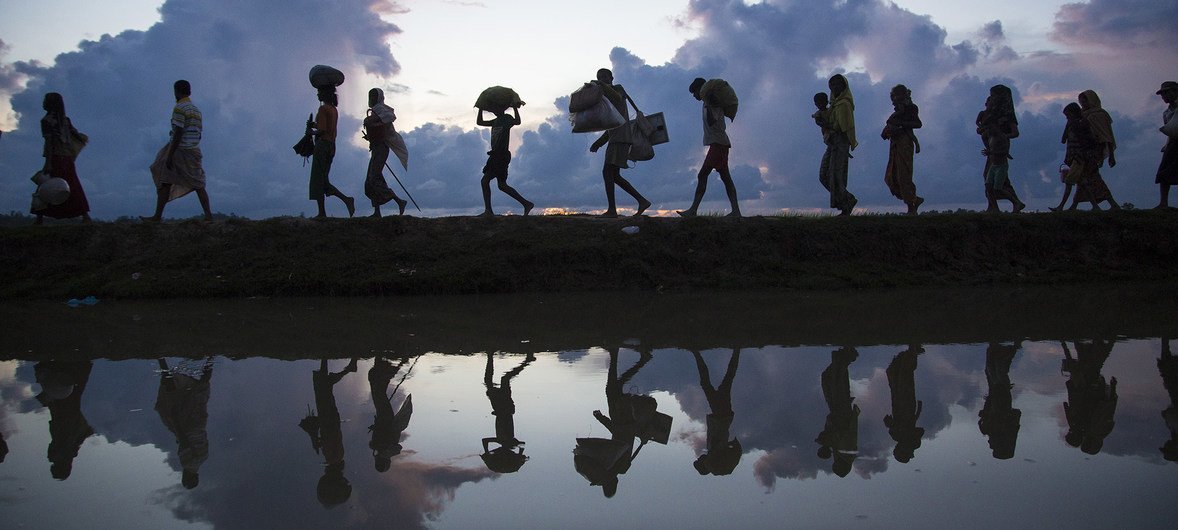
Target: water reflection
(182, 403)
(762, 466)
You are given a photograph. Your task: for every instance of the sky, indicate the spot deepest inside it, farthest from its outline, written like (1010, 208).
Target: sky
(247, 62)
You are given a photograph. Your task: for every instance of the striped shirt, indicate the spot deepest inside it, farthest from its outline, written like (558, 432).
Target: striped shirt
(187, 117)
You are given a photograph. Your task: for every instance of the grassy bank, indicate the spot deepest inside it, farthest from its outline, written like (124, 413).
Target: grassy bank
(458, 255)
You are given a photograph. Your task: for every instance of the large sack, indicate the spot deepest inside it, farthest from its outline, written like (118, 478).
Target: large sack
(719, 91)
(498, 99)
(601, 117)
(585, 97)
(322, 76)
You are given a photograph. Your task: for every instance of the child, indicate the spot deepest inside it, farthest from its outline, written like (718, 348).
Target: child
(499, 157)
(821, 116)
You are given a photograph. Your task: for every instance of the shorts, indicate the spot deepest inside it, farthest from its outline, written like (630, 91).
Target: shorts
(998, 176)
(497, 162)
(717, 156)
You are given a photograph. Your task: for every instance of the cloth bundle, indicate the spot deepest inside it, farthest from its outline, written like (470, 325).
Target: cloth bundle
(498, 99)
(721, 93)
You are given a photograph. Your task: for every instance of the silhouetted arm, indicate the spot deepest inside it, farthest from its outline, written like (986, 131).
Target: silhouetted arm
(479, 119)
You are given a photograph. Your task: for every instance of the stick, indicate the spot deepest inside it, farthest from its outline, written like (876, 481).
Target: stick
(386, 164)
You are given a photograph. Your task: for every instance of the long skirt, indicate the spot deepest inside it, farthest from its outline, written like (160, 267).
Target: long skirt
(376, 188)
(898, 175)
(77, 205)
(833, 171)
(319, 185)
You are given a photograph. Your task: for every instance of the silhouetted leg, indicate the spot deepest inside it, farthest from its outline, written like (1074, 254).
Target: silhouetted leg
(203, 197)
(485, 183)
(1067, 192)
(609, 173)
(510, 191)
(730, 189)
(643, 204)
(701, 186)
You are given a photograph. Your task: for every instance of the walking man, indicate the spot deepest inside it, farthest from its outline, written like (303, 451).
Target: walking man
(177, 168)
(716, 138)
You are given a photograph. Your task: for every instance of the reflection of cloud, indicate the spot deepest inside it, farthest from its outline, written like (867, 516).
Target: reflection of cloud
(417, 489)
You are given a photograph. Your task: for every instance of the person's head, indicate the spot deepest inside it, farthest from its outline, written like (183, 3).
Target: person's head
(333, 488)
(53, 103)
(182, 89)
(838, 84)
(61, 470)
(610, 488)
(1072, 111)
(605, 76)
(697, 84)
(327, 95)
(375, 96)
(1169, 91)
(900, 95)
(821, 100)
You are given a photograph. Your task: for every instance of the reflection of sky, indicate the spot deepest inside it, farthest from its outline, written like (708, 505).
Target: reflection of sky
(259, 457)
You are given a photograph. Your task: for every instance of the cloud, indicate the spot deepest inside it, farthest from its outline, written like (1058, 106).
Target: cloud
(1121, 24)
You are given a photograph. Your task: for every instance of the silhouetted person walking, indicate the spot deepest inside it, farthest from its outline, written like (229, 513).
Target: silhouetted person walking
(178, 168)
(840, 143)
(1168, 169)
(998, 419)
(901, 423)
(840, 435)
(997, 125)
(716, 138)
(499, 157)
(324, 429)
(325, 129)
(378, 129)
(617, 151)
(183, 405)
(388, 425)
(58, 134)
(508, 457)
(903, 146)
(62, 384)
(721, 455)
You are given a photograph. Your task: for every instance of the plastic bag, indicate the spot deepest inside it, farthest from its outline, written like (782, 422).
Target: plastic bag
(325, 76)
(54, 191)
(601, 117)
(719, 91)
(498, 99)
(75, 142)
(640, 146)
(585, 97)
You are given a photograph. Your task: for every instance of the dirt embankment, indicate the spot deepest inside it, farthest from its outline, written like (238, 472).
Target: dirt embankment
(460, 255)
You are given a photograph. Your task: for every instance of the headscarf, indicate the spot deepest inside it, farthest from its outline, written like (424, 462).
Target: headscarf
(1099, 120)
(381, 109)
(56, 124)
(842, 111)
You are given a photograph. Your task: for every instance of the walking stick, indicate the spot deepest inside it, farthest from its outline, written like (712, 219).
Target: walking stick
(386, 164)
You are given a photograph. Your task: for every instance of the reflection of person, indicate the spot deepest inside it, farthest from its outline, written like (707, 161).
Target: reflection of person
(325, 433)
(388, 425)
(1168, 367)
(840, 143)
(499, 157)
(998, 419)
(1168, 169)
(901, 423)
(722, 455)
(177, 168)
(840, 435)
(716, 138)
(3, 448)
(617, 152)
(57, 131)
(378, 128)
(505, 458)
(325, 129)
(601, 460)
(997, 124)
(902, 147)
(1092, 402)
(62, 384)
(182, 403)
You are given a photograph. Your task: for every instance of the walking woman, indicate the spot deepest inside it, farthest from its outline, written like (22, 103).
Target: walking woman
(997, 125)
(58, 133)
(902, 147)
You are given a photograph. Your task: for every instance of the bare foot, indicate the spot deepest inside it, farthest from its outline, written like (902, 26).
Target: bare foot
(401, 206)
(528, 208)
(734, 214)
(375, 214)
(1018, 207)
(351, 204)
(1055, 208)
(686, 213)
(611, 214)
(487, 213)
(152, 219)
(642, 206)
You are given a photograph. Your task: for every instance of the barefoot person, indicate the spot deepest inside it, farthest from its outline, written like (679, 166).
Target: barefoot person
(324, 130)
(716, 138)
(842, 141)
(378, 128)
(902, 147)
(58, 133)
(499, 157)
(997, 124)
(177, 168)
(618, 149)
(1094, 189)
(1168, 169)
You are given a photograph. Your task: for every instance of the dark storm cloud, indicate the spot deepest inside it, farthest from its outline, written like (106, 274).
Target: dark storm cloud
(1126, 24)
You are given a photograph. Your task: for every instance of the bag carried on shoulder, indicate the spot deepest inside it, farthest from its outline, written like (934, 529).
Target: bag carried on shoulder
(602, 116)
(75, 142)
(585, 97)
(722, 93)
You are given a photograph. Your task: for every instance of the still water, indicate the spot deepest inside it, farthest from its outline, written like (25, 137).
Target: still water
(976, 408)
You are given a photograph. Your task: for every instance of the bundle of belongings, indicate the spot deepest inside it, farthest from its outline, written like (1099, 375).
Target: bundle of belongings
(498, 99)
